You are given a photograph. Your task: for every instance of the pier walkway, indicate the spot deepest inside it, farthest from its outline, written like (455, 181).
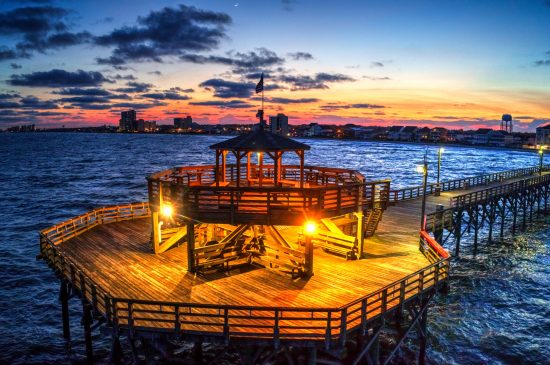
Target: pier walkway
(105, 255)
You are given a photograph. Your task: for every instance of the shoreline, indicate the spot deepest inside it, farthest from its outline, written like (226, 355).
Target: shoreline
(441, 144)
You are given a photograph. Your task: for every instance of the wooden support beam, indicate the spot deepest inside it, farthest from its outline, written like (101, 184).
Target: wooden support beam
(190, 247)
(224, 165)
(64, 297)
(217, 172)
(87, 322)
(308, 256)
(156, 231)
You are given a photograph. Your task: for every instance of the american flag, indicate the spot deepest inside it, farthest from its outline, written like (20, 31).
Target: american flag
(260, 85)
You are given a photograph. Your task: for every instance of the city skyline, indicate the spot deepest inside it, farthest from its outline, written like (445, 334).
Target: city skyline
(426, 64)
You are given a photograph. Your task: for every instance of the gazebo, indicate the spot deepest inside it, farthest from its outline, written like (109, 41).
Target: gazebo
(260, 142)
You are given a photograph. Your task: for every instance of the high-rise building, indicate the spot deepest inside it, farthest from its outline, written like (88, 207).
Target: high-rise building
(128, 121)
(183, 123)
(279, 124)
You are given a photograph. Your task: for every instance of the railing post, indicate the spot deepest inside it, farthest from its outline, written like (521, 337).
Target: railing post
(328, 331)
(343, 327)
(276, 340)
(226, 325)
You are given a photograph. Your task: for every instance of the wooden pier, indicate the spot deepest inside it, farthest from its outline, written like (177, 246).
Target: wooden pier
(335, 309)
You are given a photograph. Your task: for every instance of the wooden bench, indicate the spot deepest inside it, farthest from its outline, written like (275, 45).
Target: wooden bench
(338, 243)
(215, 254)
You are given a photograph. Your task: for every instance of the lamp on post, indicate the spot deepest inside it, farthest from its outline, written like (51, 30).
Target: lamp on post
(424, 170)
(439, 155)
(309, 230)
(541, 154)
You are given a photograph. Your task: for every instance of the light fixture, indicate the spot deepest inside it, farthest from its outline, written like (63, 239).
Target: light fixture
(310, 227)
(166, 210)
(420, 169)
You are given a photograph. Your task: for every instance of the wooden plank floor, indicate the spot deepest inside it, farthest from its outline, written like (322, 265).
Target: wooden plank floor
(118, 257)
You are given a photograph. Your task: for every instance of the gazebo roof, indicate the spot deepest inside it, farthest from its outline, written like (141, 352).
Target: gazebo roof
(260, 140)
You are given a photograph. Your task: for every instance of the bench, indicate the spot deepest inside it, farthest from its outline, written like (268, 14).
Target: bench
(337, 243)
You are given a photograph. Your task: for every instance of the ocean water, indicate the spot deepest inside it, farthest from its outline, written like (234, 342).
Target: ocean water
(497, 312)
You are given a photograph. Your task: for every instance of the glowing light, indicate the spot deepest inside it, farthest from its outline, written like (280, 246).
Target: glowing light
(167, 210)
(310, 227)
(541, 150)
(420, 169)
(441, 149)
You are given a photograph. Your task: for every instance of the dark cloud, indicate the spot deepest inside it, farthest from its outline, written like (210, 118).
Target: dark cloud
(15, 66)
(35, 103)
(293, 101)
(242, 63)
(377, 78)
(297, 56)
(124, 77)
(84, 99)
(165, 96)
(335, 106)
(542, 63)
(83, 91)
(135, 87)
(228, 89)
(158, 73)
(38, 28)
(288, 5)
(7, 54)
(7, 96)
(230, 104)
(179, 89)
(376, 64)
(167, 32)
(138, 105)
(58, 78)
(8, 104)
(319, 81)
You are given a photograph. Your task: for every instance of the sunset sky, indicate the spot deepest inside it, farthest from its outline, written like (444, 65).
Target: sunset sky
(446, 63)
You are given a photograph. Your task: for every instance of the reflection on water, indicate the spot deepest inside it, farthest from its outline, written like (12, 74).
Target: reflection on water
(498, 310)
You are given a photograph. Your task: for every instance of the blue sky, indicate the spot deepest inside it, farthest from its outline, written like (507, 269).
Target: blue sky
(366, 62)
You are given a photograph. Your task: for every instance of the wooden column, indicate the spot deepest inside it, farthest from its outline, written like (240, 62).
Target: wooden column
(360, 233)
(190, 247)
(224, 165)
(238, 156)
(248, 165)
(217, 172)
(308, 256)
(64, 297)
(301, 154)
(260, 167)
(87, 323)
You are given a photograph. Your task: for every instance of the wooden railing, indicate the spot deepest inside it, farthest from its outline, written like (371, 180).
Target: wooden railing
(75, 226)
(463, 183)
(431, 248)
(483, 195)
(226, 322)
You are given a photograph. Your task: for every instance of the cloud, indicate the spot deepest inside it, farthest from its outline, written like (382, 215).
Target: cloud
(230, 104)
(83, 91)
(297, 56)
(288, 5)
(293, 101)
(167, 32)
(165, 96)
(542, 63)
(179, 89)
(124, 77)
(135, 87)
(35, 103)
(9, 96)
(158, 73)
(377, 78)
(228, 89)
(319, 81)
(253, 61)
(139, 105)
(38, 28)
(335, 106)
(376, 64)
(85, 99)
(58, 78)
(15, 66)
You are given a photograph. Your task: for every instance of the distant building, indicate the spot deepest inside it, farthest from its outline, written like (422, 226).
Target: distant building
(543, 135)
(407, 133)
(279, 124)
(146, 126)
(481, 136)
(183, 123)
(128, 121)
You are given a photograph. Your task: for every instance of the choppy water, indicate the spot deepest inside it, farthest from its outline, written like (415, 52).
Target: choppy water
(498, 310)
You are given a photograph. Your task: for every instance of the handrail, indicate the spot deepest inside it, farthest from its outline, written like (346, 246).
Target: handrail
(428, 243)
(482, 195)
(462, 183)
(277, 323)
